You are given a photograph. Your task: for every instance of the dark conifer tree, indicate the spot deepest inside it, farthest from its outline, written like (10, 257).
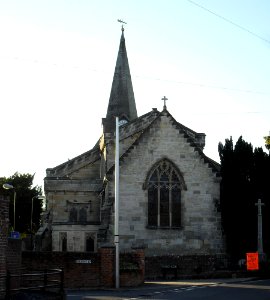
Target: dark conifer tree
(244, 180)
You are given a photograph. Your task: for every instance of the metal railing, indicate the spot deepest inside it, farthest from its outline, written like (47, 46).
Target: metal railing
(51, 280)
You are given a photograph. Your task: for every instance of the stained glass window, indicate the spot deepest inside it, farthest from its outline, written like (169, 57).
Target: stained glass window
(164, 195)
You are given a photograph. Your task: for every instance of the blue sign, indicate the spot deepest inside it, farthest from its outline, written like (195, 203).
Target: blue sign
(15, 235)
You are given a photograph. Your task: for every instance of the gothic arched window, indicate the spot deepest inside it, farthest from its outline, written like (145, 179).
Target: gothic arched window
(164, 187)
(90, 244)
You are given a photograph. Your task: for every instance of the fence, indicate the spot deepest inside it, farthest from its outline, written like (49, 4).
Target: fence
(46, 281)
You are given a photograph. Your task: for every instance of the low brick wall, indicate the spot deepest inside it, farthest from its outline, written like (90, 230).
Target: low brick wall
(84, 270)
(80, 269)
(132, 268)
(13, 255)
(185, 266)
(4, 202)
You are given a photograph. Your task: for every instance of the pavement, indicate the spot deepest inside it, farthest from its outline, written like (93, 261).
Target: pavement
(147, 290)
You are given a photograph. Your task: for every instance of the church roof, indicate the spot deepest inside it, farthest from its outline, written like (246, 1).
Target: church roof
(121, 101)
(75, 163)
(138, 127)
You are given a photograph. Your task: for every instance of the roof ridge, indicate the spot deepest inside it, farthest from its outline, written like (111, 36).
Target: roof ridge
(71, 161)
(135, 142)
(192, 142)
(215, 166)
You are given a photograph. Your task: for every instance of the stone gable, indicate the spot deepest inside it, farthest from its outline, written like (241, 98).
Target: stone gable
(200, 218)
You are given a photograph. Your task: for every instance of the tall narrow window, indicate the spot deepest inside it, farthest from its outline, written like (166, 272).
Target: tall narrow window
(89, 243)
(83, 215)
(63, 241)
(73, 214)
(164, 186)
(64, 244)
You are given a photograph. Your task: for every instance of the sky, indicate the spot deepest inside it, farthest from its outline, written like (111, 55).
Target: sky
(210, 58)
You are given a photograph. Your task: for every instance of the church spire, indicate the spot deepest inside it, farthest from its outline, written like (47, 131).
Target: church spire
(122, 101)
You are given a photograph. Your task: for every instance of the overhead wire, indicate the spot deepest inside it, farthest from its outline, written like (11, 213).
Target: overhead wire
(202, 85)
(229, 21)
(183, 82)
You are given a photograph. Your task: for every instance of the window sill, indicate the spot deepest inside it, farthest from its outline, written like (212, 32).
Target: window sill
(164, 227)
(77, 223)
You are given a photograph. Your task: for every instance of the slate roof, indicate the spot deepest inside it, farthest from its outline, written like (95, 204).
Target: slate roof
(78, 162)
(140, 125)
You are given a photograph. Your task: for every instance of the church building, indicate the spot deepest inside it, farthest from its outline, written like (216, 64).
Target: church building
(169, 190)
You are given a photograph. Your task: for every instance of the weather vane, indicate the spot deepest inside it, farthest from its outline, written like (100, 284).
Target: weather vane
(121, 21)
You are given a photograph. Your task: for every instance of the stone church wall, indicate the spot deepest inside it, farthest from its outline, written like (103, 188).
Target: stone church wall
(75, 235)
(75, 228)
(201, 221)
(61, 203)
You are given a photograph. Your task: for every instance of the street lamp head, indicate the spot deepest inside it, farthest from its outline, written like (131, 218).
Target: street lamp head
(8, 186)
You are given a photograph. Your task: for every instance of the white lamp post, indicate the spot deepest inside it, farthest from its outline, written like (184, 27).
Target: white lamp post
(8, 186)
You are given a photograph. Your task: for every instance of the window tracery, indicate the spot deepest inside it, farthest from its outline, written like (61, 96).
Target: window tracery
(164, 187)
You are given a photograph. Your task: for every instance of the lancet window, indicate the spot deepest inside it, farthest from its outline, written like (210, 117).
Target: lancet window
(164, 186)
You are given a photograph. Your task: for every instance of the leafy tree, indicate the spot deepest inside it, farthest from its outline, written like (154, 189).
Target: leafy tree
(22, 184)
(267, 142)
(244, 181)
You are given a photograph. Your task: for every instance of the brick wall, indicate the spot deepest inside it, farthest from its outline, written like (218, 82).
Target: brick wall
(84, 270)
(13, 255)
(132, 268)
(13, 260)
(4, 205)
(80, 269)
(107, 266)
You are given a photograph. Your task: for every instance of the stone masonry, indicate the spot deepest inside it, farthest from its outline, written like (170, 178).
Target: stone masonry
(201, 227)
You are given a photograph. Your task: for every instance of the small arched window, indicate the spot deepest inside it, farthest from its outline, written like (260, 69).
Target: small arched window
(63, 241)
(90, 244)
(164, 187)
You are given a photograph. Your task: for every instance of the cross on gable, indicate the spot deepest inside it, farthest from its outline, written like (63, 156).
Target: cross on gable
(164, 99)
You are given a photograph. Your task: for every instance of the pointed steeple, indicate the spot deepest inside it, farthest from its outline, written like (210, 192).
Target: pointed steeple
(122, 101)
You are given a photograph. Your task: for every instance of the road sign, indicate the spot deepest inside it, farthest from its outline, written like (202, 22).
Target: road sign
(252, 261)
(15, 235)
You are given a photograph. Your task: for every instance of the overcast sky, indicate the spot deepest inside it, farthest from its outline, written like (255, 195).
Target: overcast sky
(210, 58)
